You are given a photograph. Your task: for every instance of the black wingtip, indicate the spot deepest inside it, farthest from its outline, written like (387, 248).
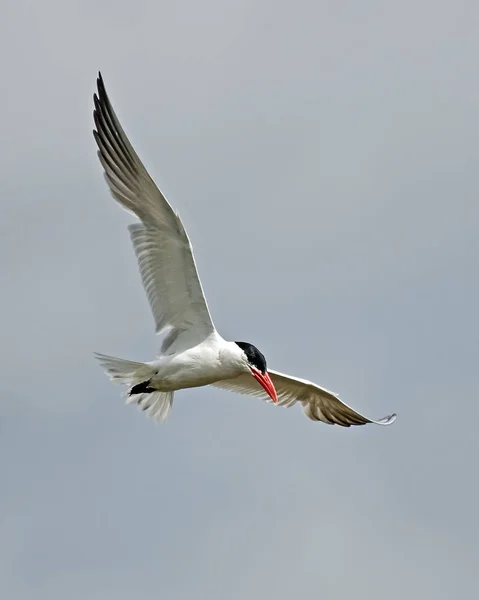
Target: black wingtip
(100, 84)
(96, 110)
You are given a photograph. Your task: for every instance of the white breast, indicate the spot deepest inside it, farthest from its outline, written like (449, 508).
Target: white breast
(212, 360)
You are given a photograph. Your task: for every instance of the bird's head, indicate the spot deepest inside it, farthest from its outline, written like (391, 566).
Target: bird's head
(256, 363)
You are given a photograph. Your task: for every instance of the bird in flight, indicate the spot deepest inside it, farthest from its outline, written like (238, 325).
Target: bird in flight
(192, 353)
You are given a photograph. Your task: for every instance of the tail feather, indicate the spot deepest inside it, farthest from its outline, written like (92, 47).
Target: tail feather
(136, 376)
(157, 405)
(124, 371)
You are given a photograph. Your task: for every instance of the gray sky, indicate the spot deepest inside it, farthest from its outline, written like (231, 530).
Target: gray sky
(321, 154)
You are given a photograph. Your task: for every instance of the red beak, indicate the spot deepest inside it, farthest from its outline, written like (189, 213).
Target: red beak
(265, 381)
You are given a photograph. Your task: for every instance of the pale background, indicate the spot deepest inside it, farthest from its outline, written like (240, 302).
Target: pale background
(324, 158)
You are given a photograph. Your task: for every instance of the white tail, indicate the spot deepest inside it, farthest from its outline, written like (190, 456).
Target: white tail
(156, 404)
(124, 371)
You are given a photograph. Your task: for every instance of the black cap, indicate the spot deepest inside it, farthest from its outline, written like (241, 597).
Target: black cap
(254, 356)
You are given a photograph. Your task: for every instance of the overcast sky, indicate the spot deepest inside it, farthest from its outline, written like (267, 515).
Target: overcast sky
(324, 159)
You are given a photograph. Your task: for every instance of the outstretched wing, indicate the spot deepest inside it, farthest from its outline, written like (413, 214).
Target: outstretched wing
(318, 404)
(162, 247)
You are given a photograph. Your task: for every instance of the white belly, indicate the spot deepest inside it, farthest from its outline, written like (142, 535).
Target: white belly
(196, 367)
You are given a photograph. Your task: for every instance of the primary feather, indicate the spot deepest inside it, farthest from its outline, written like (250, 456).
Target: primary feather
(318, 403)
(162, 247)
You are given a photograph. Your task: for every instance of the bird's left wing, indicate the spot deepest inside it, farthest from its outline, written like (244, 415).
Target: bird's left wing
(162, 247)
(318, 403)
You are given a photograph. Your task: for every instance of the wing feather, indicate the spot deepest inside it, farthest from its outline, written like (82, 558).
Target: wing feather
(163, 250)
(318, 403)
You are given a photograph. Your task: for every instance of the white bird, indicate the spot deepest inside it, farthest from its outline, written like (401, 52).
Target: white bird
(193, 353)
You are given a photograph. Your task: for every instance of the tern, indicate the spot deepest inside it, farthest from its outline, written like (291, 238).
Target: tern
(192, 353)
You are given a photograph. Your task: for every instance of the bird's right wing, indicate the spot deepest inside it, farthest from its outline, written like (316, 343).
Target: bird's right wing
(318, 403)
(161, 244)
